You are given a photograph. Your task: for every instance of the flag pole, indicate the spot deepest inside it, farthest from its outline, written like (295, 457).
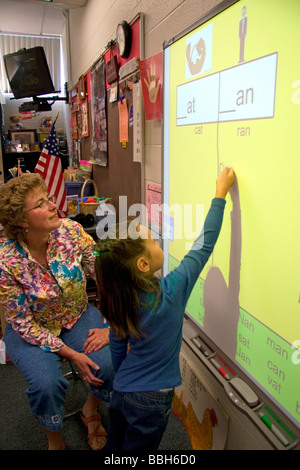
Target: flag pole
(55, 119)
(50, 168)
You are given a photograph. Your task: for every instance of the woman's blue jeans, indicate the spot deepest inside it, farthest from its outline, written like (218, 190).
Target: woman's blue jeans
(137, 420)
(47, 385)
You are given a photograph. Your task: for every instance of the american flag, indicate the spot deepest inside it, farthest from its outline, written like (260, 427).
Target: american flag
(49, 166)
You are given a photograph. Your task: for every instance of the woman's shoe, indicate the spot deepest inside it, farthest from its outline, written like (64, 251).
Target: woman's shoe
(98, 432)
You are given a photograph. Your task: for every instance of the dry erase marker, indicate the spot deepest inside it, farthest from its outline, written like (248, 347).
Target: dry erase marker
(222, 371)
(274, 429)
(199, 346)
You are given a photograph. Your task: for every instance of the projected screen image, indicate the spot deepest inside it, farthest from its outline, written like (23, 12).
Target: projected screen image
(232, 98)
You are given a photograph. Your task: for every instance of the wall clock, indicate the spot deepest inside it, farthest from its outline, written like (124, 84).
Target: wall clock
(123, 39)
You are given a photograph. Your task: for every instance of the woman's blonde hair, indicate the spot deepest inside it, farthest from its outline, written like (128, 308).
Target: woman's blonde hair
(12, 203)
(120, 284)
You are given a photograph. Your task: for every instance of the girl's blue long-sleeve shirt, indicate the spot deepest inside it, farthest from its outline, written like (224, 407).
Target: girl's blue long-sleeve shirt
(152, 362)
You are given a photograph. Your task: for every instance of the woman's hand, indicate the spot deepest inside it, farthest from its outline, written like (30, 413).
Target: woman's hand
(98, 337)
(83, 363)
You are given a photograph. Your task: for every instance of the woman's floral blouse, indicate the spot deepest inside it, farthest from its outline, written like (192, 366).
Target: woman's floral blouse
(39, 303)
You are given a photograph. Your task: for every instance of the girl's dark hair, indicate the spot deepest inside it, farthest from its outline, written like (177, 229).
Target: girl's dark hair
(119, 282)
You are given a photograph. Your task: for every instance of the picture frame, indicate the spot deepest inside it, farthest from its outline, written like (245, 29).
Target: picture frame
(74, 126)
(81, 88)
(84, 119)
(24, 136)
(25, 148)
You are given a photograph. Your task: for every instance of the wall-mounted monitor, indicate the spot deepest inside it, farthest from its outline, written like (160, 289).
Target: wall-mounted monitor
(28, 73)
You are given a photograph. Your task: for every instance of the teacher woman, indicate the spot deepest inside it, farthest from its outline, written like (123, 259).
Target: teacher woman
(43, 261)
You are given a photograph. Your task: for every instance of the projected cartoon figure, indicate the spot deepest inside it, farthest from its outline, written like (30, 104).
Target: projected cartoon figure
(196, 56)
(221, 302)
(243, 33)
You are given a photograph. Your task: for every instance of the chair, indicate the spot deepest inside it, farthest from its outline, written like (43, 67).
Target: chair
(73, 374)
(93, 299)
(92, 292)
(2, 321)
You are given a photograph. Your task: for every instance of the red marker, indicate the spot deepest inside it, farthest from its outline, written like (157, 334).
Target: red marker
(219, 368)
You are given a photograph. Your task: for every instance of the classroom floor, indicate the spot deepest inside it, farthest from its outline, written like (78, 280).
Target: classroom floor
(19, 430)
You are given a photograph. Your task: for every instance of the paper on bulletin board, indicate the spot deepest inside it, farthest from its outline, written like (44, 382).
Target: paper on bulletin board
(85, 119)
(204, 419)
(123, 120)
(151, 71)
(113, 92)
(153, 204)
(137, 122)
(74, 126)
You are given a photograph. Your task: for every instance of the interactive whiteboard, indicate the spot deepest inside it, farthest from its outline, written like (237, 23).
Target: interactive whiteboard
(232, 98)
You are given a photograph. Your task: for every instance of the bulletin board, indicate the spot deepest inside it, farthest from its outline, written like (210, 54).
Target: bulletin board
(121, 176)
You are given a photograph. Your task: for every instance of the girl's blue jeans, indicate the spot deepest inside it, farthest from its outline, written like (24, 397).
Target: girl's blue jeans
(137, 420)
(42, 369)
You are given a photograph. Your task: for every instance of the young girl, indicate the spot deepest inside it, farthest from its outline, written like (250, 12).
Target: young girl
(146, 315)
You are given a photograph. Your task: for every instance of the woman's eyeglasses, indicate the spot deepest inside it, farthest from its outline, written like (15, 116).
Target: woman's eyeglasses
(44, 203)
